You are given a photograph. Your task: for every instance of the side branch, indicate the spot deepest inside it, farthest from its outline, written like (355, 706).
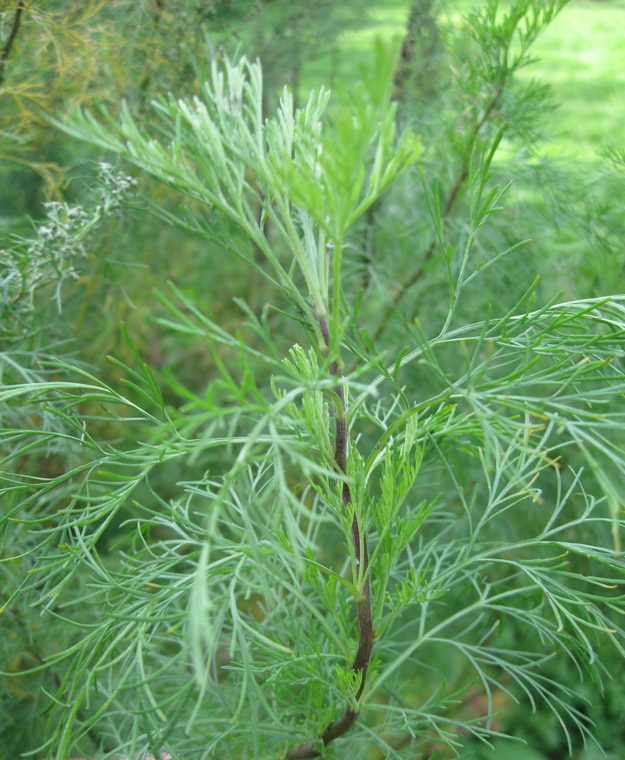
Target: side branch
(363, 605)
(449, 204)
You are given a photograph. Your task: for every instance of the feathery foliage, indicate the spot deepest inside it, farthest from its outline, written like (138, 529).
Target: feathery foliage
(335, 542)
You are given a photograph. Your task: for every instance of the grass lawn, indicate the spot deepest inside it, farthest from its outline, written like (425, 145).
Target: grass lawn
(581, 55)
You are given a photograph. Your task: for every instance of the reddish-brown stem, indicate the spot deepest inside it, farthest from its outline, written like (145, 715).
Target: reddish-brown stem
(359, 543)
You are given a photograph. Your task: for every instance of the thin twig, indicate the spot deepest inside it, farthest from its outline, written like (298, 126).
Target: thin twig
(449, 204)
(421, 16)
(11, 38)
(147, 78)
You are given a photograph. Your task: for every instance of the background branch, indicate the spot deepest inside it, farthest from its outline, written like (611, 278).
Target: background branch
(11, 38)
(450, 202)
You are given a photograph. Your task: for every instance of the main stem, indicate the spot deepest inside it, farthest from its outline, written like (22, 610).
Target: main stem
(359, 542)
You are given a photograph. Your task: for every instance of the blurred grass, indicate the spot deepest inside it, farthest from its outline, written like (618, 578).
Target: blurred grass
(581, 55)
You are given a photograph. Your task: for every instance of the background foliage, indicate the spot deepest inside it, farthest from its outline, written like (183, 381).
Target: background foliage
(110, 466)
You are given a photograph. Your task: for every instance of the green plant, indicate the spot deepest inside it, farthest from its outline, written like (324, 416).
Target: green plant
(340, 565)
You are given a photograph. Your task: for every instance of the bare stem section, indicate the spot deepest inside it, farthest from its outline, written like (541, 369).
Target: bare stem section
(359, 542)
